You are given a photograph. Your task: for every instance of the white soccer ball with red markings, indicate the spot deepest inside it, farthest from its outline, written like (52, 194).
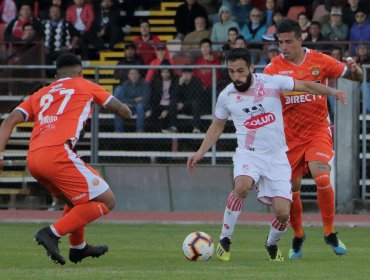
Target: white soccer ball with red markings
(198, 246)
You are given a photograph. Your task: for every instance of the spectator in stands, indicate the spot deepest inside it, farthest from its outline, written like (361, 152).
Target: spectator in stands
(185, 16)
(81, 16)
(255, 28)
(145, 43)
(188, 99)
(205, 75)
(220, 29)
(45, 8)
(337, 53)
(336, 29)
(269, 12)
(304, 23)
(350, 9)
(232, 34)
(130, 58)
(164, 87)
(106, 29)
(241, 11)
(162, 53)
(14, 31)
(363, 57)
(315, 36)
(135, 93)
(360, 30)
(59, 35)
(8, 11)
(276, 18)
(192, 39)
(240, 42)
(272, 51)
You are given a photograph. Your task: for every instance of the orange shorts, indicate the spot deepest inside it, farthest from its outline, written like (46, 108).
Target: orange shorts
(61, 171)
(319, 148)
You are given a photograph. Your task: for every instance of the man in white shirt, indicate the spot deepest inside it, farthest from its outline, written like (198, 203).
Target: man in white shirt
(253, 103)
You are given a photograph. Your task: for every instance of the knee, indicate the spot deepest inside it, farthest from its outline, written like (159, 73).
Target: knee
(241, 191)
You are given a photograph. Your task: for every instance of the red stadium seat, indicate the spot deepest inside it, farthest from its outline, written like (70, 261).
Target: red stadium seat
(294, 11)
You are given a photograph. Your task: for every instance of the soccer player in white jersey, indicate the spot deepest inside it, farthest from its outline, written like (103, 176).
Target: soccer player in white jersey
(253, 103)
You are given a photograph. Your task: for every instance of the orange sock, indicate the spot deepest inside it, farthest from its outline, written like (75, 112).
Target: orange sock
(325, 200)
(79, 216)
(296, 215)
(78, 236)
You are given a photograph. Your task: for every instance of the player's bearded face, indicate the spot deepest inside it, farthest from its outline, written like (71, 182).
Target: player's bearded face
(243, 86)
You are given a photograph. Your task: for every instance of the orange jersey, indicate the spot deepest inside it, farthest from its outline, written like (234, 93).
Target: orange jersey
(60, 110)
(305, 113)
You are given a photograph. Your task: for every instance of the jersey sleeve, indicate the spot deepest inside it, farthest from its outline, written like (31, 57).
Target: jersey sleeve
(221, 112)
(26, 108)
(283, 83)
(101, 96)
(334, 68)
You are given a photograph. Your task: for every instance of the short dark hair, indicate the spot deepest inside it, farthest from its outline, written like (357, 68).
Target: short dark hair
(239, 53)
(68, 59)
(317, 23)
(27, 24)
(144, 20)
(205, 40)
(233, 29)
(289, 25)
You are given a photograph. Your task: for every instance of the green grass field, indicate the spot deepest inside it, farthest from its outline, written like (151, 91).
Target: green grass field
(154, 252)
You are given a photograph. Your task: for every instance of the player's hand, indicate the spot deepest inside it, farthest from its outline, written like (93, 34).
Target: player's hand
(351, 64)
(192, 161)
(341, 96)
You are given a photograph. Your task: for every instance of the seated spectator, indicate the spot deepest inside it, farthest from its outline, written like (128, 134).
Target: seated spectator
(8, 11)
(350, 9)
(161, 54)
(188, 100)
(304, 23)
(272, 51)
(277, 17)
(192, 39)
(106, 29)
(241, 11)
(220, 29)
(360, 31)
(45, 8)
(130, 58)
(255, 28)
(240, 42)
(164, 86)
(135, 93)
(269, 12)
(315, 36)
(14, 31)
(335, 30)
(337, 53)
(145, 43)
(81, 16)
(363, 57)
(232, 34)
(59, 35)
(186, 15)
(205, 75)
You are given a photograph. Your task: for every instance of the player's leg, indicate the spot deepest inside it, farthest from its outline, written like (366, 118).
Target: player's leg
(278, 226)
(234, 205)
(325, 199)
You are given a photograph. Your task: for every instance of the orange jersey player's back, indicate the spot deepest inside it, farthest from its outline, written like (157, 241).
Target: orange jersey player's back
(60, 110)
(305, 113)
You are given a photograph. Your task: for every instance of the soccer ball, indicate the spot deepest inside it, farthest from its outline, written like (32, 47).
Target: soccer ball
(198, 246)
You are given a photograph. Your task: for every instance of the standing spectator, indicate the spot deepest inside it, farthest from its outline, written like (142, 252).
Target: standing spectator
(106, 29)
(335, 30)
(145, 43)
(269, 12)
(254, 29)
(315, 36)
(192, 39)
(134, 92)
(187, 99)
(185, 16)
(161, 54)
(81, 16)
(350, 9)
(8, 11)
(304, 23)
(59, 35)
(205, 75)
(14, 29)
(241, 11)
(130, 58)
(220, 29)
(363, 57)
(164, 87)
(360, 30)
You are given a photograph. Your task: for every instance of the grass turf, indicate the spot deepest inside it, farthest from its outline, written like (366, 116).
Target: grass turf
(153, 252)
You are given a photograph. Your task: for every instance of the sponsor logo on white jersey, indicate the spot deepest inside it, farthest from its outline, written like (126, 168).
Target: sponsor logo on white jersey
(260, 121)
(48, 119)
(301, 98)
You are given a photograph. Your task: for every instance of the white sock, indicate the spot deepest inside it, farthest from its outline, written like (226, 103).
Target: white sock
(276, 231)
(230, 219)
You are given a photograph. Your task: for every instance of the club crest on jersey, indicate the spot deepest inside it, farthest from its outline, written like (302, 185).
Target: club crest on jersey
(315, 71)
(239, 98)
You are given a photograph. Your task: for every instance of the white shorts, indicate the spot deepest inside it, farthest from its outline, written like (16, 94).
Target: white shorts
(271, 174)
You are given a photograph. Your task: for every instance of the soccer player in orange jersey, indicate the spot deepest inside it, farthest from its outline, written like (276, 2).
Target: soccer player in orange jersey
(307, 128)
(60, 112)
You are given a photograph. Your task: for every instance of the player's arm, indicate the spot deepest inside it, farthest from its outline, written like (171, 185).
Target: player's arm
(6, 129)
(213, 133)
(117, 107)
(319, 89)
(354, 72)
